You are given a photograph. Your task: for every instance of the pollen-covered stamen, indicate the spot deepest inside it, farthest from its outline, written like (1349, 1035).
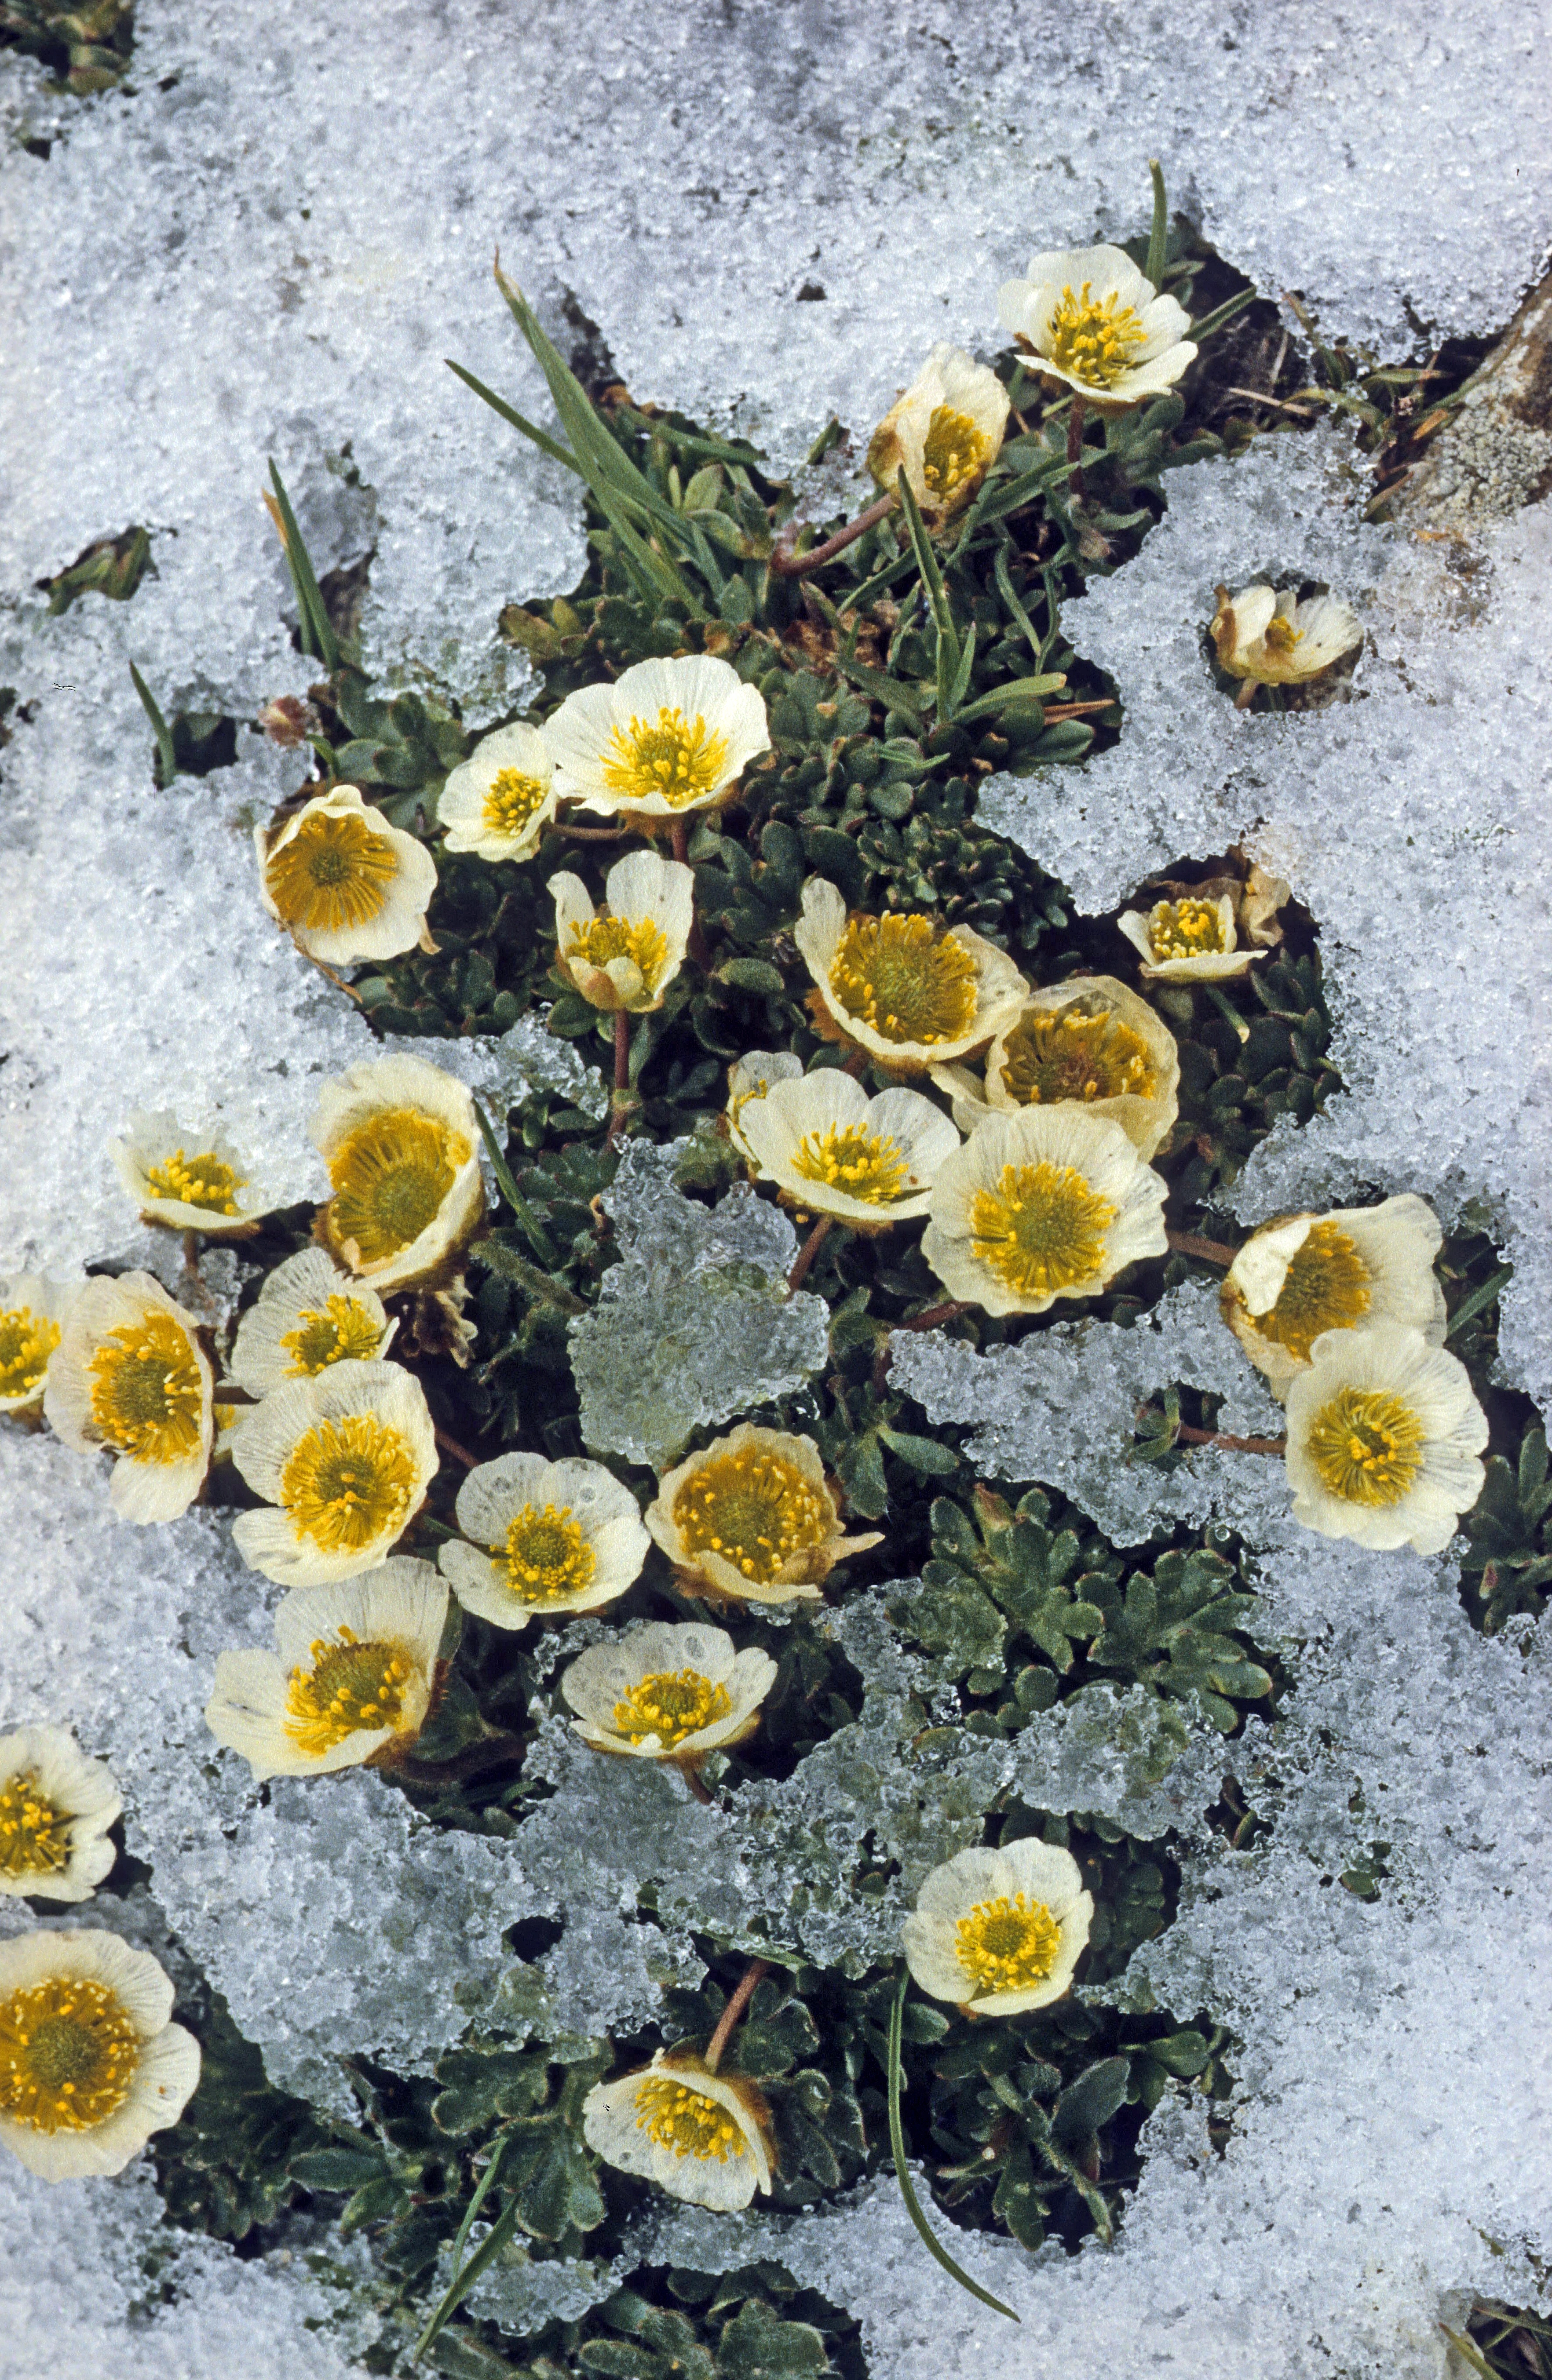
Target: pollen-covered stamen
(34, 1834)
(753, 1509)
(147, 1396)
(1042, 1230)
(1076, 1057)
(1328, 1287)
(640, 939)
(1185, 930)
(548, 1559)
(352, 1687)
(340, 1331)
(1280, 635)
(1095, 339)
(671, 1703)
(953, 452)
(202, 1181)
(687, 2121)
(334, 872)
(1366, 1445)
(866, 1165)
(1008, 1945)
(347, 1483)
(27, 1341)
(390, 1178)
(904, 979)
(511, 800)
(683, 760)
(68, 2055)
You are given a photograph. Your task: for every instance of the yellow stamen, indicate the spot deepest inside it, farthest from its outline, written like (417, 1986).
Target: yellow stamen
(687, 2121)
(1007, 1945)
(334, 872)
(1076, 1057)
(904, 979)
(1185, 930)
(67, 2055)
(1366, 1445)
(671, 1703)
(640, 939)
(682, 760)
(34, 1833)
(511, 800)
(1095, 339)
(755, 1510)
(390, 1178)
(27, 1341)
(1327, 1288)
(1280, 635)
(866, 1165)
(340, 1331)
(347, 1483)
(548, 1559)
(1042, 1230)
(352, 1687)
(147, 1395)
(954, 453)
(202, 1181)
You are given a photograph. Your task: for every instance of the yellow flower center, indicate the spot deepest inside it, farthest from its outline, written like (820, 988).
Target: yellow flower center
(640, 939)
(683, 760)
(147, 1396)
(671, 1703)
(1280, 635)
(1366, 1445)
(202, 1181)
(67, 2055)
(548, 1559)
(866, 1165)
(953, 452)
(1185, 930)
(390, 1178)
(334, 872)
(1076, 1057)
(687, 2121)
(27, 1341)
(1095, 339)
(511, 800)
(347, 1483)
(1008, 1945)
(1040, 1230)
(1327, 1288)
(350, 1687)
(904, 980)
(34, 1834)
(340, 1331)
(755, 1509)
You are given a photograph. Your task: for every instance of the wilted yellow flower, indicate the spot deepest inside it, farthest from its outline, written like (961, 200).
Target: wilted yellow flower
(499, 801)
(1385, 1439)
(902, 987)
(1091, 1040)
(1093, 320)
(752, 1517)
(999, 1932)
(1297, 1279)
(946, 431)
(91, 2064)
(663, 1692)
(190, 1181)
(33, 1310)
(400, 1139)
(308, 1316)
(546, 1537)
(666, 738)
(1275, 639)
(130, 1373)
(830, 1148)
(1047, 1203)
(1193, 938)
(625, 954)
(343, 1462)
(702, 2137)
(56, 1809)
(344, 883)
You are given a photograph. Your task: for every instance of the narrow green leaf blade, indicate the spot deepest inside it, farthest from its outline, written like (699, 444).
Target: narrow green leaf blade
(902, 2173)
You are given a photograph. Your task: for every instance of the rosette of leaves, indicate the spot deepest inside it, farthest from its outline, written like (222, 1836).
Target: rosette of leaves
(1232, 1090)
(225, 2165)
(1508, 1568)
(86, 44)
(672, 2324)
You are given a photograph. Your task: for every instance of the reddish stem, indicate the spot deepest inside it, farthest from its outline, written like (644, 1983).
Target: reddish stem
(1247, 693)
(1235, 1445)
(743, 1992)
(807, 1253)
(1210, 1251)
(785, 565)
(591, 834)
(933, 1315)
(678, 835)
(691, 1776)
(469, 1462)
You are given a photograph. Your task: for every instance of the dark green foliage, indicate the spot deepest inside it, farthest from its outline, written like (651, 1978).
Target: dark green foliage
(754, 2323)
(1233, 1090)
(87, 44)
(229, 2163)
(113, 566)
(1508, 1568)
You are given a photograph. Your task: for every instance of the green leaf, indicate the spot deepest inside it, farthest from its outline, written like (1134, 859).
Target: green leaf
(1159, 231)
(758, 2345)
(923, 1454)
(542, 439)
(167, 757)
(338, 2169)
(1090, 2102)
(554, 2182)
(902, 2172)
(1018, 694)
(309, 596)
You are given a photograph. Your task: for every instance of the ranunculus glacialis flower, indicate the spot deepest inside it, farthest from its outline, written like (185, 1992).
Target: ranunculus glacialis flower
(56, 1809)
(308, 1316)
(130, 1373)
(32, 1313)
(1089, 1040)
(701, 2136)
(909, 992)
(401, 1141)
(625, 954)
(190, 1181)
(1385, 1439)
(343, 1462)
(752, 1518)
(1046, 1203)
(498, 802)
(1277, 640)
(1192, 939)
(1092, 318)
(830, 1148)
(749, 1077)
(344, 883)
(1304, 1275)
(543, 1537)
(91, 2063)
(664, 1692)
(946, 432)
(666, 738)
(999, 1932)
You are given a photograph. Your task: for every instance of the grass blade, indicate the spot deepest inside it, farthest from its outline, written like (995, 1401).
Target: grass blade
(542, 439)
(1222, 314)
(465, 2276)
(896, 2143)
(166, 758)
(926, 563)
(1160, 235)
(509, 1190)
(1018, 691)
(304, 577)
(1482, 1297)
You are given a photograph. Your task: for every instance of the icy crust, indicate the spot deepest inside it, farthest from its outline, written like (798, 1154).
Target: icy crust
(694, 1324)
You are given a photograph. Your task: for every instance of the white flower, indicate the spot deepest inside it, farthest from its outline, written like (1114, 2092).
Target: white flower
(752, 1517)
(999, 1932)
(749, 1077)
(667, 737)
(1384, 1440)
(400, 1139)
(351, 1675)
(343, 1462)
(344, 883)
(1089, 1040)
(700, 2136)
(1297, 1279)
(914, 995)
(130, 1373)
(91, 2064)
(1258, 900)
(1275, 639)
(307, 1316)
(947, 431)
(56, 1809)
(1094, 321)
(1051, 1202)
(190, 1181)
(625, 954)
(668, 1692)
(32, 1312)
(547, 1538)
(1186, 941)
(499, 801)
(831, 1149)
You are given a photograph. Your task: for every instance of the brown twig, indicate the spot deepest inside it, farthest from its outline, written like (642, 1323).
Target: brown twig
(1076, 414)
(786, 564)
(1210, 1251)
(743, 1992)
(469, 1462)
(1077, 710)
(338, 982)
(1305, 412)
(807, 1253)
(1184, 1430)
(945, 1312)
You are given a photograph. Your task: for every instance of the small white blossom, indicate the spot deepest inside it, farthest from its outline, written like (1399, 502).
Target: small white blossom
(911, 994)
(1385, 1439)
(1049, 1202)
(830, 1148)
(625, 954)
(999, 1932)
(32, 1314)
(343, 1462)
(401, 1141)
(702, 2137)
(193, 1181)
(1275, 639)
(545, 1537)
(1092, 318)
(666, 738)
(663, 1692)
(1296, 1278)
(499, 801)
(749, 1077)
(344, 883)
(308, 1316)
(752, 1518)
(56, 1809)
(91, 2064)
(1193, 938)
(946, 431)
(130, 1373)
(1089, 1040)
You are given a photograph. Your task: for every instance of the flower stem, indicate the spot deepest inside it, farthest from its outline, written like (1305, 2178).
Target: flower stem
(679, 836)
(1210, 1251)
(929, 1319)
(902, 2172)
(591, 834)
(857, 1065)
(469, 1462)
(691, 1775)
(620, 1104)
(1076, 414)
(786, 564)
(1247, 693)
(1226, 1009)
(807, 1253)
(1235, 1445)
(743, 1992)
